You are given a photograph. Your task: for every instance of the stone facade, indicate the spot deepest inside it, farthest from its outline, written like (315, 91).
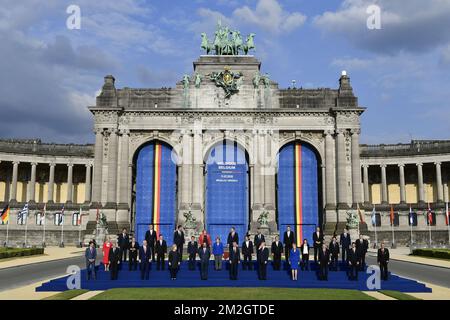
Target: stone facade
(192, 118)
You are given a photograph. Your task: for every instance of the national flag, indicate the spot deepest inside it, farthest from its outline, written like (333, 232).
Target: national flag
(447, 213)
(361, 218)
(411, 216)
(430, 216)
(61, 215)
(79, 217)
(44, 212)
(4, 215)
(392, 215)
(23, 213)
(374, 217)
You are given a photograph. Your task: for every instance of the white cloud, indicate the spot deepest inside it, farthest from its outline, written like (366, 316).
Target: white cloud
(445, 56)
(270, 16)
(415, 26)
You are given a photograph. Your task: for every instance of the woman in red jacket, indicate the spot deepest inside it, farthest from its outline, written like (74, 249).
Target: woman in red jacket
(106, 247)
(204, 237)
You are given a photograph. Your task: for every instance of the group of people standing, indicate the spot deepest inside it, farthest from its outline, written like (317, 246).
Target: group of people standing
(154, 249)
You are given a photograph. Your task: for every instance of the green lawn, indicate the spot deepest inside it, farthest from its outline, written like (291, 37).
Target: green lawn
(224, 293)
(398, 295)
(67, 295)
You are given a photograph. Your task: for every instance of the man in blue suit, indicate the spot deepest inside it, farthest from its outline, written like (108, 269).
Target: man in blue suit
(90, 255)
(145, 258)
(204, 255)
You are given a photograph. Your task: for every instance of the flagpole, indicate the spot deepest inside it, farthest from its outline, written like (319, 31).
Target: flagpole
(411, 220)
(43, 235)
(448, 221)
(62, 232)
(7, 232)
(26, 230)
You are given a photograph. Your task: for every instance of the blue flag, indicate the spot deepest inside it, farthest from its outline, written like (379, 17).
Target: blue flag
(374, 217)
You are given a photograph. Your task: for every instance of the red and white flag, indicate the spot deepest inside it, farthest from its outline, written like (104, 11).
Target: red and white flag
(430, 216)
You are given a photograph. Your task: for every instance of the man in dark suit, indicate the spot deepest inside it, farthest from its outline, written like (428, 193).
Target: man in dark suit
(263, 259)
(324, 260)
(204, 255)
(178, 239)
(259, 238)
(123, 241)
(134, 250)
(334, 253)
(145, 259)
(277, 250)
(345, 242)
(114, 261)
(247, 251)
(232, 237)
(353, 262)
(90, 255)
(362, 245)
(383, 260)
(234, 258)
(161, 250)
(288, 240)
(151, 237)
(192, 251)
(318, 242)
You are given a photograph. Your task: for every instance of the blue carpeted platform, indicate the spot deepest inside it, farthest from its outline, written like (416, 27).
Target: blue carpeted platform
(276, 279)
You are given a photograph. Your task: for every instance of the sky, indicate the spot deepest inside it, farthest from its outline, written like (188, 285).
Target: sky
(49, 73)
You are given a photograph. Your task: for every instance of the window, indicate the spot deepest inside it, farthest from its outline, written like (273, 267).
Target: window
(39, 219)
(59, 218)
(22, 220)
(377, 219)
(396, 219)
(412, 217)
(75, 219)
(433, 215)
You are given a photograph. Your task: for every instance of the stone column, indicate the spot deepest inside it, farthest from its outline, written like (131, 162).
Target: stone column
(111, 197)
(261, 160)
(15, 172)
(356, 168)
(401, 168)
(98, 163)
(384, 190)
(366, 184)
(329, 171)
(440, 191)
(32, 189)
(269, 174)
(341, 170)
(197, 171)
(69, 182)
(420, 183)
(51, 183)
(124, 169)
(256, 185)
(186, 170)
(87, 186)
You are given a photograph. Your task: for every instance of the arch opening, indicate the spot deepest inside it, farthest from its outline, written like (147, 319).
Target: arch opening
(227, 189)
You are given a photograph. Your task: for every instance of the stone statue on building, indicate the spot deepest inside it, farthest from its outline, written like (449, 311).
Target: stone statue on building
(352, 220)
(256, 80)
(197, 80)
(263, 219)
(227, 42)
